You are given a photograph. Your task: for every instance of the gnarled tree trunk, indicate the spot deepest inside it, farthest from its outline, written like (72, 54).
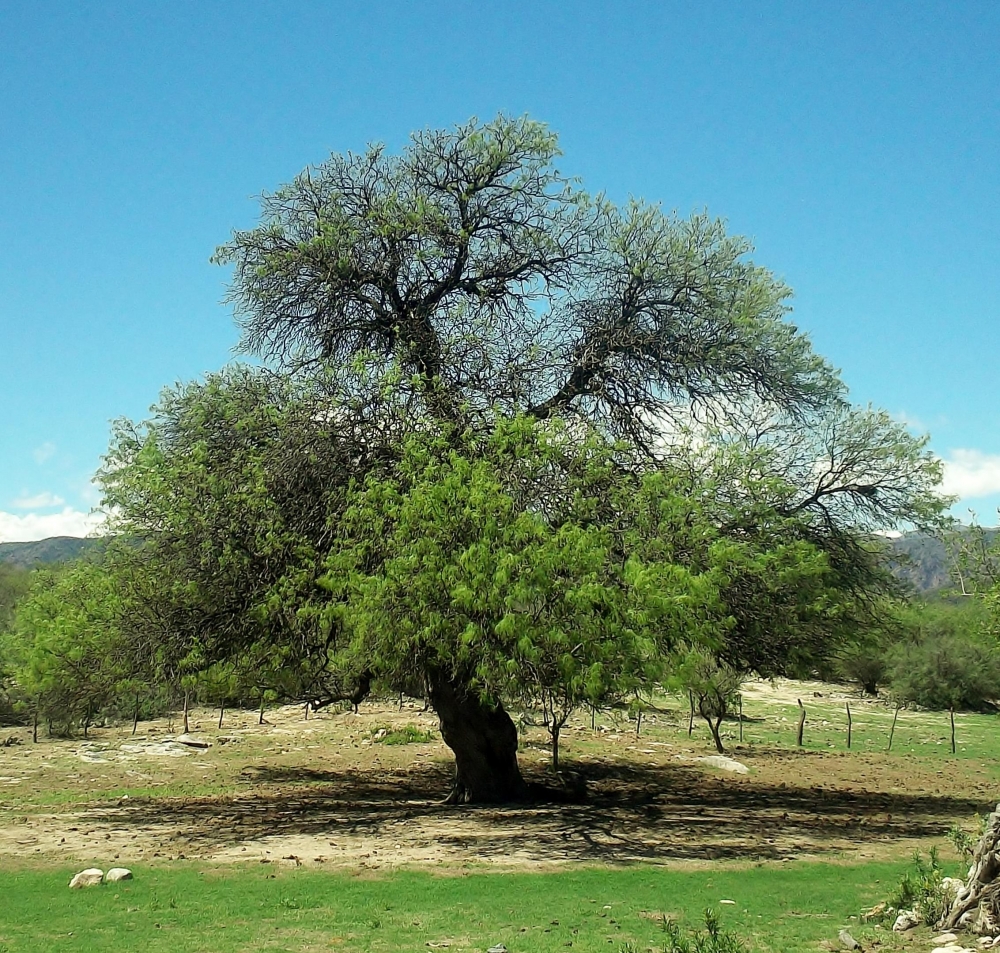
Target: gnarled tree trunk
(484, 740)
(977, 904)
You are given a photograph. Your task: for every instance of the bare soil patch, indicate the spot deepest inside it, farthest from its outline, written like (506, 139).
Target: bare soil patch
(326, 791)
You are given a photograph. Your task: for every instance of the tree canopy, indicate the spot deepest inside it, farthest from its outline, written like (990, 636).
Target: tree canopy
(506, 443)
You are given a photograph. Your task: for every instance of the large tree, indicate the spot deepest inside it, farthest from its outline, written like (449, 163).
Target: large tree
(453, 294)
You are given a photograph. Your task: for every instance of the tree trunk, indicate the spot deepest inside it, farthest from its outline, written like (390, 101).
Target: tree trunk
(977, 904)
(484, 740)
(135, 714)
(713, 726)
(555, 746)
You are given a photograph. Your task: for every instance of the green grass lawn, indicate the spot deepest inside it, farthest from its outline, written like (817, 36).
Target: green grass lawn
(187, 909)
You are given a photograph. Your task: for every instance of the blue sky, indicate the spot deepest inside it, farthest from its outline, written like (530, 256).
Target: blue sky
(858, 145)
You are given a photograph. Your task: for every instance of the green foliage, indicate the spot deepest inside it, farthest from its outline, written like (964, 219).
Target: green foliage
(965, 841)
(442, 566)
(920, 889)
(404, 735)
(864, 663)
(943, 672)
(934, 653)
(14, 584)
(506, 436)
(713, 939)
(714, 687)
(63, 645)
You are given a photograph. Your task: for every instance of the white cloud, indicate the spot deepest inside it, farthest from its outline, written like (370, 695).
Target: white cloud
(971, 474)
(45, 452)
(912, 422)
(27, 527)
(40, 501)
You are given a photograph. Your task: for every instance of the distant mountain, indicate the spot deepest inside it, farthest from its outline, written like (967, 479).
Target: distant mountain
(923, 560)
(920, 560)
(56, 549)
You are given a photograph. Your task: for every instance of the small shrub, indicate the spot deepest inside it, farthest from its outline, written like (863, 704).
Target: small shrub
(405, 735)
(865, 665)
(713, 939)
(920, 890)
(965, 841)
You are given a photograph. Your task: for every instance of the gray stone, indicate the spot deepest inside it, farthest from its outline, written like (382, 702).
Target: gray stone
(90, 877)
(118, 873)
(499, 948)
(906, 920)
(848, 941)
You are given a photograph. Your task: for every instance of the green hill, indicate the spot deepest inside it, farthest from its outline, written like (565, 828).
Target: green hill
(56, 549)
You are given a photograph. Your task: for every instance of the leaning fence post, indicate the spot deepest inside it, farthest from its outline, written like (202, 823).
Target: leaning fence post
(892, 730)
(802, 721)
(848, 723)
(951, 711)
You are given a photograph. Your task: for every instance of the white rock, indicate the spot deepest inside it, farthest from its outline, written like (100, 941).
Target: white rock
(906, 920)
(90, 877)
(725, 764)
(118, 873)
(192, 742)
(944, 939)
(952, 948)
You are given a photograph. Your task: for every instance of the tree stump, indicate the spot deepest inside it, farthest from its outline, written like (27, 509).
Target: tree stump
(977, 904)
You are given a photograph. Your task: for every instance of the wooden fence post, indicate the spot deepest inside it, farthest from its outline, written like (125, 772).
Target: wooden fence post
(892, 730)
(802, 721)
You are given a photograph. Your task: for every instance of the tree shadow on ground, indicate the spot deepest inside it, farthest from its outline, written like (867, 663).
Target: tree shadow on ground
(632, 813)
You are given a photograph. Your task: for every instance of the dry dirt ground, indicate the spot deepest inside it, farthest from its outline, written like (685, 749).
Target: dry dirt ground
(326, 790)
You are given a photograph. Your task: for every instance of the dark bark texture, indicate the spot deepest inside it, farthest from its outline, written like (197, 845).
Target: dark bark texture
(977, 904)
(484, 740)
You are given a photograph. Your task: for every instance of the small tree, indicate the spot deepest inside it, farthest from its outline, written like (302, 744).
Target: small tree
(68, 662)
(714, 685)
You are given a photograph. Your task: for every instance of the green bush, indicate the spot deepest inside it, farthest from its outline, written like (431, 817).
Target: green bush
(404, 735)
(865, 665)
(920, 890)
(713, 939)
(943, 672)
